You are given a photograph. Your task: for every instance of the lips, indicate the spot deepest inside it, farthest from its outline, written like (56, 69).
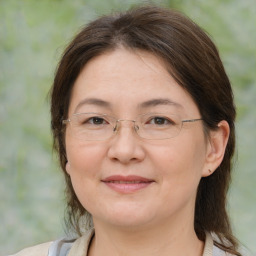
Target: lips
(127, 184)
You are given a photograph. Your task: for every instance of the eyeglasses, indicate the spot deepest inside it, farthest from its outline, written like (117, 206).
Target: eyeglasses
(152, 126)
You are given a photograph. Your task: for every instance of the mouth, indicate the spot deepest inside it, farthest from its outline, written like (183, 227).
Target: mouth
(127, 184)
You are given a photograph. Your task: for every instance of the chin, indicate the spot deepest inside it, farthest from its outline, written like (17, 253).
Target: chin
(127, 218)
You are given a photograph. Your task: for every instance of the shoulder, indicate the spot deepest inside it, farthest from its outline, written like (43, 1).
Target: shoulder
(38, 250)
(81, 245)
(219, 252)
(64, 246)
(211, 249)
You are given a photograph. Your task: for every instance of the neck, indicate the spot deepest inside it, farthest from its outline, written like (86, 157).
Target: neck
(178, 240)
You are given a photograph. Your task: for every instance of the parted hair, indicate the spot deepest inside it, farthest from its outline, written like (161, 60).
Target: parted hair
(193, 61)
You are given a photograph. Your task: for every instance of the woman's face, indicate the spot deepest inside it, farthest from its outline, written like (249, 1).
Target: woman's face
(126, 180)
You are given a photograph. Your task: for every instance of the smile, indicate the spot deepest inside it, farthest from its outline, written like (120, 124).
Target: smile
(127, 184)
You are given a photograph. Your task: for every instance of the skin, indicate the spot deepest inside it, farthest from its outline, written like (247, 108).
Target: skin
(161, 215)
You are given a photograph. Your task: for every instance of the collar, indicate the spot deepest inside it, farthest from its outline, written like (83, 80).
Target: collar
(82, 244)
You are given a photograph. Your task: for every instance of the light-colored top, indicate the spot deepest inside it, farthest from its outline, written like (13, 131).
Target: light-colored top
(81, 245)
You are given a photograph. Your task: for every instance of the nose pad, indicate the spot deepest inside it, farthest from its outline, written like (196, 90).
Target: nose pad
(125, 124)
(126, 147)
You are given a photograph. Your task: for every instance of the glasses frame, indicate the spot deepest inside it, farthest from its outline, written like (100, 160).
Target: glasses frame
(115, 128)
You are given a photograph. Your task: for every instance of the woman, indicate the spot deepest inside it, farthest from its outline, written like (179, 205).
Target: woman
(143, 123)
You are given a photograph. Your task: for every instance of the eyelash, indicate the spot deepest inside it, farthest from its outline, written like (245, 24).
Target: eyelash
(91, 120)
(166, 120)
(156, 120)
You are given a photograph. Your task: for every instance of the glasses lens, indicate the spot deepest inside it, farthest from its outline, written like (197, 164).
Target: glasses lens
(92, 126)
(158, 126)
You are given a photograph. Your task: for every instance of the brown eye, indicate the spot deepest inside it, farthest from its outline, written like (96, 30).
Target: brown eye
(160, 121)
(93, 120)
(97, 120)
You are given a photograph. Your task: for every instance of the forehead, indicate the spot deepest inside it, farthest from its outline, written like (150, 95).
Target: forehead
(128, 78)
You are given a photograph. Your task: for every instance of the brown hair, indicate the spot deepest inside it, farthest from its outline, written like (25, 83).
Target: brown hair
(193, 61)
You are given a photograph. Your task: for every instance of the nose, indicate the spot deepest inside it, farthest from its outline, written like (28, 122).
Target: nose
(126, 146)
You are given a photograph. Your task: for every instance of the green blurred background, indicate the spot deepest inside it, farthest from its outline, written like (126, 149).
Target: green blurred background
(33, 35)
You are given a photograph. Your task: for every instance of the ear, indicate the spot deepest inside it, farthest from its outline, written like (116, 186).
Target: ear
(216, 147)
(68, 168)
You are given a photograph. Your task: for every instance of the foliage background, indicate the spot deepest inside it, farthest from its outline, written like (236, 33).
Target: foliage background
(32, 36)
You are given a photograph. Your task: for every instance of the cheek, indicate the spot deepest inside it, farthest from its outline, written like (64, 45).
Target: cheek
(180, 164)
(85, 160)
(85, 171)
(179, 172)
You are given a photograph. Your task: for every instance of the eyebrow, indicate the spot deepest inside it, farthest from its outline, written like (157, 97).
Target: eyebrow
(160, 101)
(146, 104)
(93, 101)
